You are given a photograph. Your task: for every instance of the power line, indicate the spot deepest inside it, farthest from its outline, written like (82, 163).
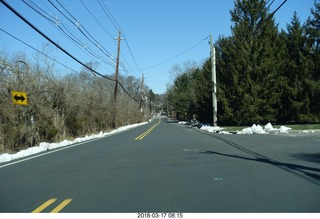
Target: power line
(82, 29)
(176, 56)
(71, 36)
(109, 15)
(21, 41)
(62, 49)
(260, 24)
(96, 19)
(119, 29)
(39, 10)
(278, 7)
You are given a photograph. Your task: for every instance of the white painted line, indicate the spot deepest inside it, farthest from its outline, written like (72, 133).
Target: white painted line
(49, 152)
(191, 149)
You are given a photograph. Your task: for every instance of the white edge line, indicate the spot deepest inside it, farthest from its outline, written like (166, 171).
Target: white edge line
(65, 147)
(49, 152)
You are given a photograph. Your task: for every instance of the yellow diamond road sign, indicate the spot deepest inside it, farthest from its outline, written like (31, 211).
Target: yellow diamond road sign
(19, 98)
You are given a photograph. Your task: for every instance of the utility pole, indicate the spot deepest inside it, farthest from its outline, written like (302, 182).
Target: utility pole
(116, 84)
(214, 82)
(142, 94)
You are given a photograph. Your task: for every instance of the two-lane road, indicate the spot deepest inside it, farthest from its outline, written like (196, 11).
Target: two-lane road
(167, 167)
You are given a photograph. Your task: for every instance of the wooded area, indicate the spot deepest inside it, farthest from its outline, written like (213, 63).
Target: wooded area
(263, 74)
(61, 104)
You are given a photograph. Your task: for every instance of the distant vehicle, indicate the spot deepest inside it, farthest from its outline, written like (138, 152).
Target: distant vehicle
(195, 123)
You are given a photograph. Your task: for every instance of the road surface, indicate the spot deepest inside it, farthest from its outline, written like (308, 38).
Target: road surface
(168, 167)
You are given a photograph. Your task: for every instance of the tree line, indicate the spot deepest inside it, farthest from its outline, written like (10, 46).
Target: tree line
(62, 105)
(263, 74)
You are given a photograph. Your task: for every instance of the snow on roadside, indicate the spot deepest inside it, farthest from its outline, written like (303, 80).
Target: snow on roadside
(44, 146)
(257, 129)
(254, 129)
(215, 129)
(283, 129)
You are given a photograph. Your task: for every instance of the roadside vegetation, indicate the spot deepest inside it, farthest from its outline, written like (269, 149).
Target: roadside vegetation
(294, 127)
(263, 74)
(63, 104)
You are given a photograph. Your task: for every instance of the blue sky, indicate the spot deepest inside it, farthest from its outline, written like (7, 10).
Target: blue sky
(157, 33)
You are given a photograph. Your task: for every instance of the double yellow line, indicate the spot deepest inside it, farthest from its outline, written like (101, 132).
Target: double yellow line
(49, 202)
(140, 137)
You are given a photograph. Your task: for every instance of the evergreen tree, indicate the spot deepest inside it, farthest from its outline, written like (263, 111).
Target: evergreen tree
(313, 34)
(255, 64)
(202, 88)
(262, 75)
(180, 96)
(295, 96)
(228, 87)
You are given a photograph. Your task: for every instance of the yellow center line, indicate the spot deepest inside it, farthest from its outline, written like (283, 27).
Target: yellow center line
(44, 205)
(49, 202)
(61, 206)
(140, 137)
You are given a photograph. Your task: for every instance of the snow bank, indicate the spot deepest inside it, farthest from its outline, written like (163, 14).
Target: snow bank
(214, 129)
(254, 129)
(257, 129)
(284, 129)
(45, 146)
(211, 128)
(269, 127)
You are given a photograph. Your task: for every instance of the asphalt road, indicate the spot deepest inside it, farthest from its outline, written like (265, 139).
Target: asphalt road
(167, 167)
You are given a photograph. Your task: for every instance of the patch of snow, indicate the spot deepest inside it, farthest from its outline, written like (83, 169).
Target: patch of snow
(283, 129)
(211, 128)
(214, 129)
(45, 146)
(269, 127)
(225, 133)
(254, 129)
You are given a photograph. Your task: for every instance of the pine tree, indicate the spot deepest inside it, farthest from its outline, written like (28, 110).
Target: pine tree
(295, 95)
(255, 64)
(180, 96)
(313, 34)
(202, 88)
(228, 88)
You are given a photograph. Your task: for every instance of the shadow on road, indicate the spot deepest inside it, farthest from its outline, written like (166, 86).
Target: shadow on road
(309, 173)
(308, 157)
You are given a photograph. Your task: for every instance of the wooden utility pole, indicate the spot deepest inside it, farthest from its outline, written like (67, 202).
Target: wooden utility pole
(142, 95)
(214, 82)
(114, 125)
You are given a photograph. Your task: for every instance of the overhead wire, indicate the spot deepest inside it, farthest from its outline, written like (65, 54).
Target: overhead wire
(82, 29)
(62, 49)
(176, 56)
(119, 29)
(109, 15)
(39, 10)
(112, 19)
(71, 36)
(78, 24)
(96, 19)
(42, 53)
(260, 24)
